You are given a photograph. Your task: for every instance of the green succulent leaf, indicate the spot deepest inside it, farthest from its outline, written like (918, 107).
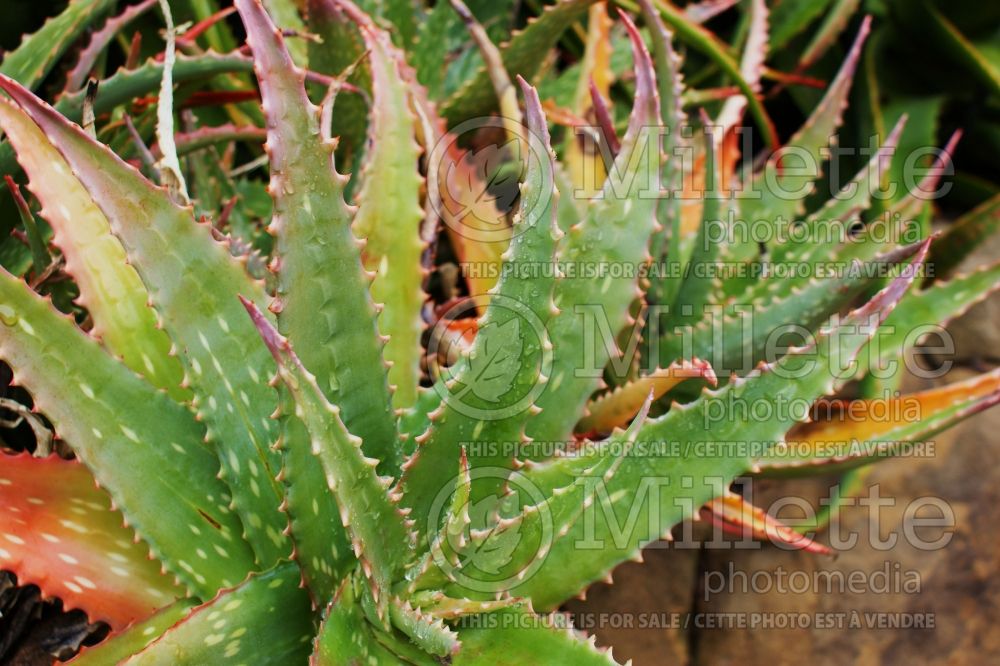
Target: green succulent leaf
(110, 289)
(922, 125)
(676, 485)
(837, 214)
(425, 630)
(132, 640)
(37, 244)
(341, 48)
(670, 86)
(614, 233)
(487, 395)
(493, 371)
(142, 447)
(99, 40)
(531, 531)
(285, 15)
(707, 43)
(389, 216)
(489, 551)
(430, 523)
(127, 84)
(522, 56)
(448, 608)
(193, 284)
(345, 636)
(322, 545)
(777, 192)
(923, 313)
(320, 273)
(698, 288)
(374, 522)
(240, 625)
(38, 53)
(429, 51)
(790, 17)
(735, 336)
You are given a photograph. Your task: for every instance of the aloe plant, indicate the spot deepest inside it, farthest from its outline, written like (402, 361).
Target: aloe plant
(274, 484)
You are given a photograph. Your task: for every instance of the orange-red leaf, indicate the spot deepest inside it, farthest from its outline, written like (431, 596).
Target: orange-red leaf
(853, 433)
(734, 515)
(617, 408)
(59, 532)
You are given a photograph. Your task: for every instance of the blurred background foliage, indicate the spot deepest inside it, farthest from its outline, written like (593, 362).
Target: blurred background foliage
(938, 59)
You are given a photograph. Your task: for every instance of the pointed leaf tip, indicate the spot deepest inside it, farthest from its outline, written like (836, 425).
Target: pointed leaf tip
(645, 76)
(534, 116)
(887, 299)
(268, 333)
(646, 104)
(734, 515)
(942, 158)
(604, 117)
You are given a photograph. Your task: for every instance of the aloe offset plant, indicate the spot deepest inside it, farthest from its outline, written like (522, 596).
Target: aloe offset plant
(273, 483)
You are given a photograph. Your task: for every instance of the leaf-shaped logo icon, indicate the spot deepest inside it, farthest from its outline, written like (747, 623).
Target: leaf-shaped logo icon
(493, 543)
(492, 550)
(490, 173)
(494, 365)
(498, 373)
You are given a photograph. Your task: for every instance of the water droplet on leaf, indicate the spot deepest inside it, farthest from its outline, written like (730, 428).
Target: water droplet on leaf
(8, 315)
